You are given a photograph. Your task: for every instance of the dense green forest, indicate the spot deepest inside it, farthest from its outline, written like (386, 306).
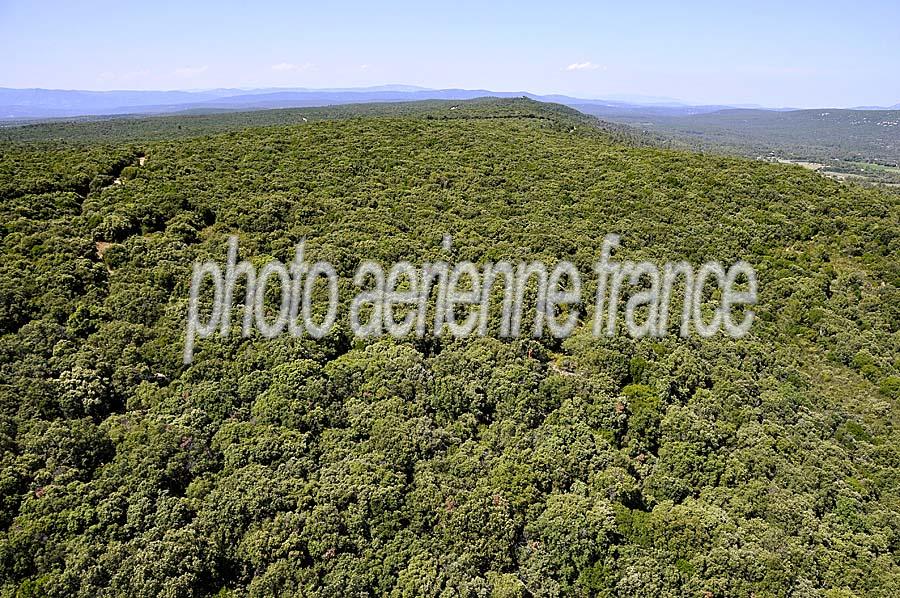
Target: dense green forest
(188, 124)
(765, 466)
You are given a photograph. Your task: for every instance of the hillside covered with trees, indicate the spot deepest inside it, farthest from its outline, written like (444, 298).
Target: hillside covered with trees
(765, 466)
(859, 144)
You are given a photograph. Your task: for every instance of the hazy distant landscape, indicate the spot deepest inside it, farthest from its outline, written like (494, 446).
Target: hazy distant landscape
(858, 144)
(18, 104)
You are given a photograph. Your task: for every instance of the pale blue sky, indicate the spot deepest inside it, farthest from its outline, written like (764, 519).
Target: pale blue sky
(775, 53)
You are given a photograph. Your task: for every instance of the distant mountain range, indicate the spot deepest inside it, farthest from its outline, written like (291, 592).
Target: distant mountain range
(31, 104)
(22, 104)
(894, 107)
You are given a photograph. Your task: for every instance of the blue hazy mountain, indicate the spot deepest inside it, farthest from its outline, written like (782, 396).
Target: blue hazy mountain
(55, 103)
(36, 104)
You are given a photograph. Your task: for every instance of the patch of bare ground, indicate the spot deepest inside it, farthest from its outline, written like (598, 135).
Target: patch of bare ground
(804, 164)
(102, 246)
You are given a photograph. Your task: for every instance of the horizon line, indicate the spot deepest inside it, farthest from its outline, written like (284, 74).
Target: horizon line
(618, 97)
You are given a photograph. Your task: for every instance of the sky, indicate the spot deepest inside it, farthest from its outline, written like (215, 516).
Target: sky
(777, 54)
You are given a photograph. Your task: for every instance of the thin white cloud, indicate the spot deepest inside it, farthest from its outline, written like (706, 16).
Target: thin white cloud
(190, 71)
(363, 67)
(288, 67)
(584, 66)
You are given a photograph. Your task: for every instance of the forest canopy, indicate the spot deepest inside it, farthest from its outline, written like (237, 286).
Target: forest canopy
(295, 466)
